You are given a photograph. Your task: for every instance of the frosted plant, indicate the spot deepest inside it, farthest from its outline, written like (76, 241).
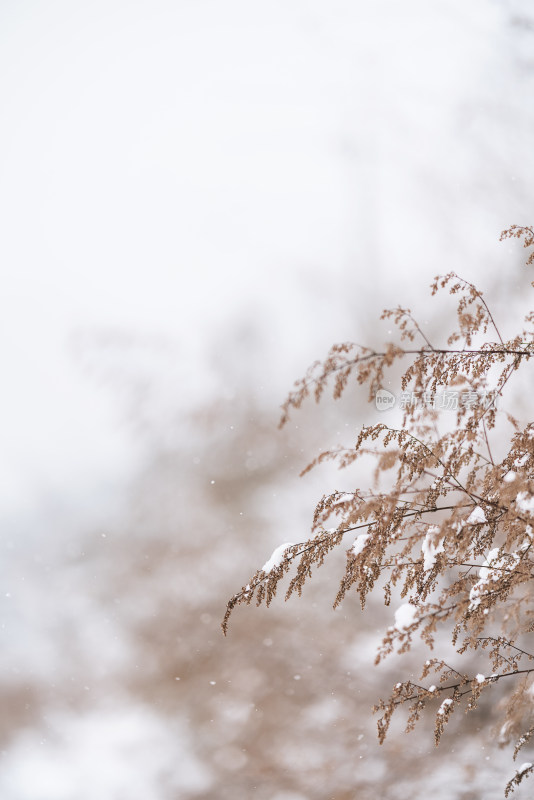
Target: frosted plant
(452, 531)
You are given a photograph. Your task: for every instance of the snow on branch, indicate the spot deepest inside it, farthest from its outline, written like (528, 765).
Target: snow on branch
(453, 532)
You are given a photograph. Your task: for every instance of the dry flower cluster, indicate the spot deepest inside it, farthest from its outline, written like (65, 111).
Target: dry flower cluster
(453, 531)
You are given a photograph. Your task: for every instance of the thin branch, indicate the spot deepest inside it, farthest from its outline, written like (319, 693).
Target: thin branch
(479, 295)
(328, 536)
(487, 441)
(425, 353)
(491, 679)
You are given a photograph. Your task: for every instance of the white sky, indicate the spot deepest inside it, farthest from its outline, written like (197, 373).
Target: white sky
(181, 169)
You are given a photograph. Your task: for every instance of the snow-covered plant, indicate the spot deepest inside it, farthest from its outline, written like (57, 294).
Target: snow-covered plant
(448, 523)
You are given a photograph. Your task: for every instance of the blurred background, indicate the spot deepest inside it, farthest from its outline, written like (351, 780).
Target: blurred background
(196, 200)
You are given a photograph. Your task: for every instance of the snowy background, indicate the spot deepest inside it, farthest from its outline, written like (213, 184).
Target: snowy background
(196, 200)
